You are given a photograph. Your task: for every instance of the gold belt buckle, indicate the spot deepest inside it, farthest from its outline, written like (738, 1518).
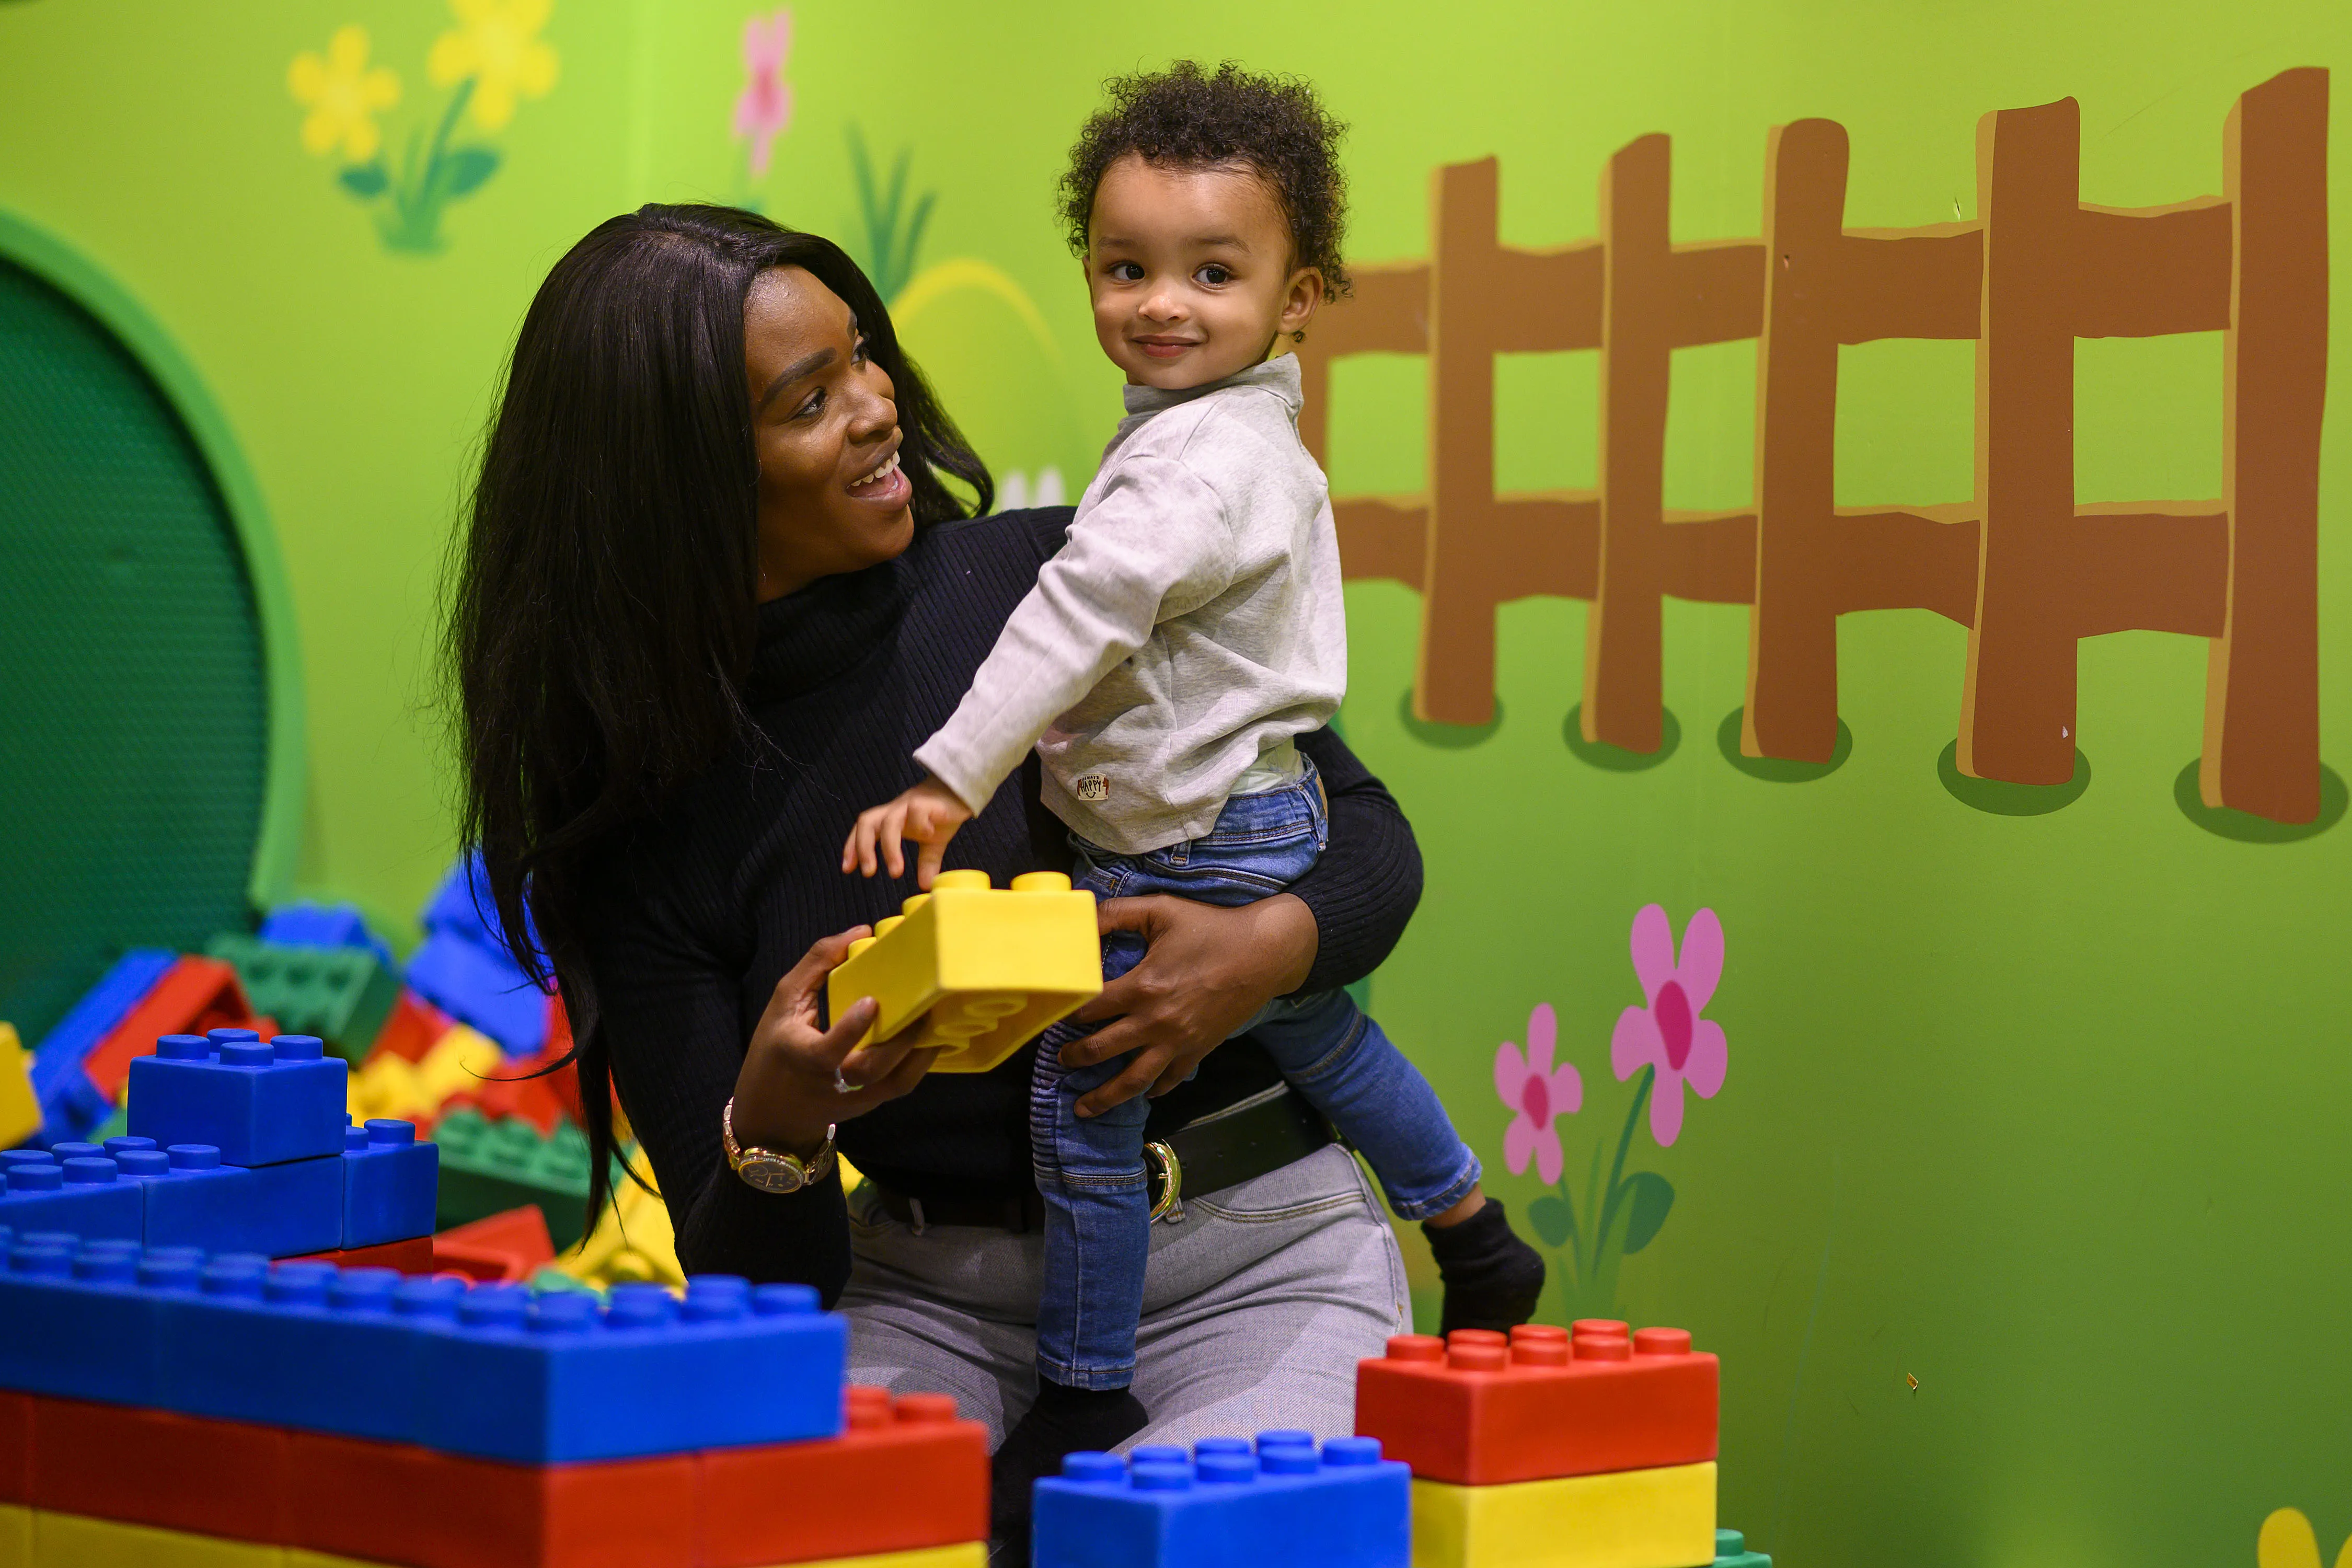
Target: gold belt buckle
(1170, 1201)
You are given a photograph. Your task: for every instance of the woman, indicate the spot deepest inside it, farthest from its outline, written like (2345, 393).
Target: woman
(714, 589)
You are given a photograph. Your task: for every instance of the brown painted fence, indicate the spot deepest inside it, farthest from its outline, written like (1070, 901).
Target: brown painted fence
(2021, 566)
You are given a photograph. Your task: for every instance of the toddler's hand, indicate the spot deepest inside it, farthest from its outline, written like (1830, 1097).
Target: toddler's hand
(929, 814)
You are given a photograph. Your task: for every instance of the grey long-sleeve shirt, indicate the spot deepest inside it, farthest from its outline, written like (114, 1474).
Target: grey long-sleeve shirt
(1188, 628)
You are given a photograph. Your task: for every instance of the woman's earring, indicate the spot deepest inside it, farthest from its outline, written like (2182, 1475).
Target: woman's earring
(1299, 336)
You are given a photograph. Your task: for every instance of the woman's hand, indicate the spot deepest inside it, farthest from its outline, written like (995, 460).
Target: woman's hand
(785, 1096)
(1207, 971)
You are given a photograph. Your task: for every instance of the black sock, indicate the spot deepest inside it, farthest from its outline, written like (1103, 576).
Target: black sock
(1493, 1280)
(1063, 1421)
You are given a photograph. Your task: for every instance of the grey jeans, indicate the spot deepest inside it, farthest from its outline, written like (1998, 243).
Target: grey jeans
(1257, 1305)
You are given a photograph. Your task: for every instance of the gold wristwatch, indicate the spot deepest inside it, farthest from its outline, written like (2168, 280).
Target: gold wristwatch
(769, 1171)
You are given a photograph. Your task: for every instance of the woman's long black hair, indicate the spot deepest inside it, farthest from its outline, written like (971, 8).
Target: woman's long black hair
(602, 606)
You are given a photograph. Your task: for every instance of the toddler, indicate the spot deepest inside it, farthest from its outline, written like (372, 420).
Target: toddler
(1190, 628)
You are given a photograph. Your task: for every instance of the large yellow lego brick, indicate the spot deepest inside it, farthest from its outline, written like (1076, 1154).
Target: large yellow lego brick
(991, 967)
(970, 1554)
(20, 1112)
(16, 1535)
(70, 1541)
(1626, 1519)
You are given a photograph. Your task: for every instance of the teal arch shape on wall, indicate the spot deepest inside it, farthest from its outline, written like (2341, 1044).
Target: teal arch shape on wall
(165, 449)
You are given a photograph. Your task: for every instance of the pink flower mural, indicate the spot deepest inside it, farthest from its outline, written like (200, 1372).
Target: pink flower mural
(764, 108)
(1666, 1033)
(1538, 1092)
(1664, 1046)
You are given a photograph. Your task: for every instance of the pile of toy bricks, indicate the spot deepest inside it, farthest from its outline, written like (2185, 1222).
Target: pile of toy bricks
(236, 1144)
(168, 1406)
(1549, 1447)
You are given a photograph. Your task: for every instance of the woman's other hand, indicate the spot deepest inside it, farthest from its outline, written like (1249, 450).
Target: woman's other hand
(1206, 972)
(786, 1096)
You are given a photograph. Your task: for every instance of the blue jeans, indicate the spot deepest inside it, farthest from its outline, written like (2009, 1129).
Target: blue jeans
(1091, 1169)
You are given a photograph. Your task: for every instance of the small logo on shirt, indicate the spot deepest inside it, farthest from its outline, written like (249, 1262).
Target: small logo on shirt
(1092, 786)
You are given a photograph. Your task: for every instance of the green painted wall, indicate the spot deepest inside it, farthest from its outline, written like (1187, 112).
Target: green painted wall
(2044, 1113)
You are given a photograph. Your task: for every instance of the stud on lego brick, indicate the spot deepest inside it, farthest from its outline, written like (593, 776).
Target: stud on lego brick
(553, 1379)
(904, 1474)
(991, 968)
(388, 1182)
(1662, 1518)
(259, 1103)
(84, 1194)
(342, 995)
(1731, 1551)
(1281, 1503)
(1483, 1411)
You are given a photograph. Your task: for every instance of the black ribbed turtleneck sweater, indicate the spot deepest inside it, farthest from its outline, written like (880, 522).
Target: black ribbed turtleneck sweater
(700, 911)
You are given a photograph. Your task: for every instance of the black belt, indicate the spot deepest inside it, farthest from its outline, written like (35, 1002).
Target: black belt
(1221, 1150)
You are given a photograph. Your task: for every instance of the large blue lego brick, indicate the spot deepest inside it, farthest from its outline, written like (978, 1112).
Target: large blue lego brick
(85, 1195)
(259, 1103)
(482, 988)
(70, 1104)
(555, 1382)
(1225, 1503)
(74, 1320)
(324, 925)
(278, 1210)
(487, 1371)
(302, 1344)
(390, 1182)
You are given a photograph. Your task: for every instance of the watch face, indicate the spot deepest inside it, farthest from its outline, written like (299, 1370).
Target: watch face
(771, 1174)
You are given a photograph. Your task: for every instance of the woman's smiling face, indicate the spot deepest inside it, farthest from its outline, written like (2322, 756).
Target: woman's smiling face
(832, 499)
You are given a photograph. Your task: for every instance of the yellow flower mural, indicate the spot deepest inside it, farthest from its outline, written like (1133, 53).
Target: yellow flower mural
(342, 95)
(492, 57)
(496, 45)
(2287, 1541)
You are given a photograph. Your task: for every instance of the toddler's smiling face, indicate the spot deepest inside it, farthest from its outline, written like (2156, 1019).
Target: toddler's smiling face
(1192, 271)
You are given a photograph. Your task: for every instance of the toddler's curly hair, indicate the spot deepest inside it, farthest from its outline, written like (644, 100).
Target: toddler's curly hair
(1186, 118)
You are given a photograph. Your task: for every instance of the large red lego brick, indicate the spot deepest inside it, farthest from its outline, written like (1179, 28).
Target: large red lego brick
(195, 994)
(905, 1474)
(512, 1244)
(390, 1502)
(1482, 1410)
(412, 1029)
(149, 1466)
(411, 1255)
(15, 1447)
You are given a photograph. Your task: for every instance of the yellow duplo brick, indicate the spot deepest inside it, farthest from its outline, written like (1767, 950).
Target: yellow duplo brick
(69, 1540)
(991, 968)
(20, 1111)
(970, 1554)
(15, 1536)
(1628, 1518)
(297, 1558)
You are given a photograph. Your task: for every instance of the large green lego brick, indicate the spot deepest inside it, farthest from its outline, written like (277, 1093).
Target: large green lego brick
(489, 1167)
(342, 995)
